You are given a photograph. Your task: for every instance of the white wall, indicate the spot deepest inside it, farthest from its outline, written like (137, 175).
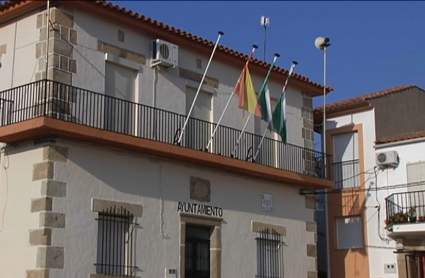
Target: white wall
(19, 62)
(94, 172)
(170, 91)
(16, 191)
(380, 247)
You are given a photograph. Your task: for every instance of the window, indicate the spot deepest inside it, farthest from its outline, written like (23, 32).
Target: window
(415, 174)
(349, 232)
(415, 265)
(346, 166)
(116, 243)
(197, 251)
(269, 254)
(120, 88)
(198, 130)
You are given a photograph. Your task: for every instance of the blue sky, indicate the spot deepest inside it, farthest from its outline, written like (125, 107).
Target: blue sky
(375, 45)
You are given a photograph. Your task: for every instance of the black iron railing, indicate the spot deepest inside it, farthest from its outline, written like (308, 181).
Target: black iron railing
(346, 174)
(72, 104)
(405, 207)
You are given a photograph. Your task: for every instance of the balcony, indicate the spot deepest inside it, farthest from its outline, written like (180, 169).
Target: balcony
(48, 108)
(405, 214)
(346, 174)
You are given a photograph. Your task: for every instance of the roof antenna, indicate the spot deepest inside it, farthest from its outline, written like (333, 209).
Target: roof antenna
(265, 22)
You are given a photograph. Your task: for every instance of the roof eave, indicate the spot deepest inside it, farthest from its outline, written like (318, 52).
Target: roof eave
(340, 111)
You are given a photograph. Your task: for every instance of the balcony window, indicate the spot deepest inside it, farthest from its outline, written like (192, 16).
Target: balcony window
(346, 174)
(346, 168)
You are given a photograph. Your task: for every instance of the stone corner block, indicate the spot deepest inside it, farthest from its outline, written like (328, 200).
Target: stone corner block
(53, 188)
(43, 170)
(41, 204)
(311, 250)
(55, 153)
(62, 18)
(200, 189)
(311, 227)
(50, 257)
(41, 237)
(312, 274)
(310, 202)
(37, 273)
(52, 219)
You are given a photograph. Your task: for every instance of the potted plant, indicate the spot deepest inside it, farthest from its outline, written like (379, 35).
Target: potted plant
(412, 215)
(389, 223)
(421, 218)
(400, 217)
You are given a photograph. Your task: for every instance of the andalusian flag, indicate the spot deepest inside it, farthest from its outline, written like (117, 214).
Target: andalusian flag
(245, 90)
(279, 113)
(264, 97)
(279, 118)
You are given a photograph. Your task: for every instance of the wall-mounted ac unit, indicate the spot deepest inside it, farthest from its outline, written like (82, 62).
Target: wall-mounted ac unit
(164, 54)
(387, 159)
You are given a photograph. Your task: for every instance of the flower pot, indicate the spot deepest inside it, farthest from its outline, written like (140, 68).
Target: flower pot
(412, 219)
(421, 218)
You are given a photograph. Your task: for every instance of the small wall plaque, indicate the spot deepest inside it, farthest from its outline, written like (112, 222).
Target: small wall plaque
(267, 202)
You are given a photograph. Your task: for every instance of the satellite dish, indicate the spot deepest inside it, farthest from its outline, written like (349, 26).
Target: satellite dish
(321, 43)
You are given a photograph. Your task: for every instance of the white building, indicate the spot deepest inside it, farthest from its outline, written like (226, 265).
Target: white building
(92, 183)
(376, 142)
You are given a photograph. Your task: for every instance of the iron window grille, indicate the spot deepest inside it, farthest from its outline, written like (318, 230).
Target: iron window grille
(197, 252)
(269, 254)
(116, 243)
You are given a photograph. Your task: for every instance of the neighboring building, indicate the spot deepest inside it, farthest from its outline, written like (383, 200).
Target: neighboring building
(92, 184)
(376, 142)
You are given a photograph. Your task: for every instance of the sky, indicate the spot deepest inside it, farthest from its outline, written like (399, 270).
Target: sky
(375, 45)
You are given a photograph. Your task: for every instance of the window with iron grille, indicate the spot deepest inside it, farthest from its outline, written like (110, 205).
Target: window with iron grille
(116, 243)
(269, 254)
(197, 252)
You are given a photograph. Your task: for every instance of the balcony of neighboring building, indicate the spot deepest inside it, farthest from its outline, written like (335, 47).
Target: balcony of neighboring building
(405, 214)
(346, 174)
(47, 108)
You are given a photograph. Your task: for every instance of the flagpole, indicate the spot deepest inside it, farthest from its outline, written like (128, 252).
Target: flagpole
(294, 63)
(249, 116)
(254, 47)
(220, 33)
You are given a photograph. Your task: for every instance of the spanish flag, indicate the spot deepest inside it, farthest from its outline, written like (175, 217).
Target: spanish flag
(245, 90)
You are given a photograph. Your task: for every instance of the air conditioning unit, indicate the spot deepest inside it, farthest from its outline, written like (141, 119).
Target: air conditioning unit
(387, 159)
(164, 54)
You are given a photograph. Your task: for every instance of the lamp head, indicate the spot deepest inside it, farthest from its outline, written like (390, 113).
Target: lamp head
(321, 43)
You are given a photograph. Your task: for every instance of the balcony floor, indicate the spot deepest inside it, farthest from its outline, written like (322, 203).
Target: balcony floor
(407, 230)
(44, 127)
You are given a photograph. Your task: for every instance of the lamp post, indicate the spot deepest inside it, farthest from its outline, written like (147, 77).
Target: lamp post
(322, 43)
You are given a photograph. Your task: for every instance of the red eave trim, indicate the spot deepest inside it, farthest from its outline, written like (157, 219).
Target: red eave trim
(42, 127)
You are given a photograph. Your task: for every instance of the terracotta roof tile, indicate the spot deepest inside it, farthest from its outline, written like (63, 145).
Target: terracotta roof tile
(182, 33)
(402, 138)
(364, 98)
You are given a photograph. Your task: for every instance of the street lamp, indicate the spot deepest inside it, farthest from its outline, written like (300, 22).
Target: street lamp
(322, 44)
